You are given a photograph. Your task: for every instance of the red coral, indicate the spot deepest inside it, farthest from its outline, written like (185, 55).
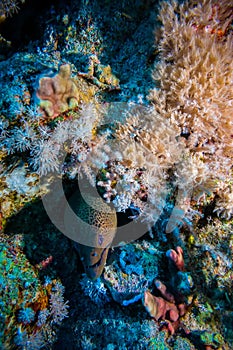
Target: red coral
(44, 263)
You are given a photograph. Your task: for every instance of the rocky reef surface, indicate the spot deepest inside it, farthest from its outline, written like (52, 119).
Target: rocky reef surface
(110, 91)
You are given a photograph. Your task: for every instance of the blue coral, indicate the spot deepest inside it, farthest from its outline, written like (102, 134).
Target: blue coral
(95, 290)
(26, 315)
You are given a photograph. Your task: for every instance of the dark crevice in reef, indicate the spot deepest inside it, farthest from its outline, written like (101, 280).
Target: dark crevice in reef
(28, 23)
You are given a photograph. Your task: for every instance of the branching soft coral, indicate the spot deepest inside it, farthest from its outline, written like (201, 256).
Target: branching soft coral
(9, 7)
(212, 16)
(183, 142)
(195, 78)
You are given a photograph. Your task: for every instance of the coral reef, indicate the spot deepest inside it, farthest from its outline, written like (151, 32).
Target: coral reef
(24, 299)
(131, 274)
(9, 7)
(169, 307)
(78, 103)
(59, 93)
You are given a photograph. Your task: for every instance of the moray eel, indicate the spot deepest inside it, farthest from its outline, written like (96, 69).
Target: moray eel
(93, 259)
(96, 230)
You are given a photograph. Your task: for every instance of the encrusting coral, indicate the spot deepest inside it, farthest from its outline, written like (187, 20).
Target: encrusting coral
(169, 306)
(100, 75)
(29, 308)
(60, 92)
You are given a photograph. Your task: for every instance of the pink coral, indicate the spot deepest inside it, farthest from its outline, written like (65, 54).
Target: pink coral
(159, 308)
(162, 288)
(58, 93)
(176, 258)
(168, 306)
